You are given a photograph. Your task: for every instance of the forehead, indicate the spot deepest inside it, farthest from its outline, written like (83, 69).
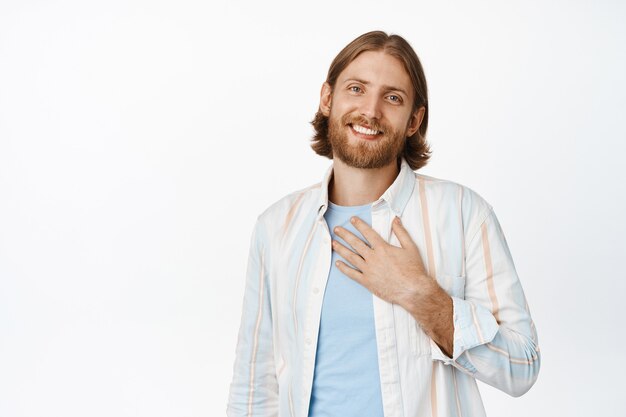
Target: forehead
(377, 68)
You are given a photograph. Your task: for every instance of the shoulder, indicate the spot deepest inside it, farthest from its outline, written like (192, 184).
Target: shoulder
(286, 207)
(469, 196)
(472, 205)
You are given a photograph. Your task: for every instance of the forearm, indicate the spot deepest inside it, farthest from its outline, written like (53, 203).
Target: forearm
(432, 308)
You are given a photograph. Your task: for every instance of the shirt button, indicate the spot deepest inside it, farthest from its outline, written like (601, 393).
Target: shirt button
(316, 290)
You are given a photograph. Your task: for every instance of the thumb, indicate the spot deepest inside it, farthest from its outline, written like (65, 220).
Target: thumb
(402, 234)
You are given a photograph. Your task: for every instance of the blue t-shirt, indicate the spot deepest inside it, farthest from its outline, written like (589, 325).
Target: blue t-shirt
(346, 381)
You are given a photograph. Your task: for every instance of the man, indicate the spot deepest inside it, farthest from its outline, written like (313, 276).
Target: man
(379, 291)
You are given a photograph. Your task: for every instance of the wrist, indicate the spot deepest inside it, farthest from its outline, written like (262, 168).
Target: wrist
(420, 296)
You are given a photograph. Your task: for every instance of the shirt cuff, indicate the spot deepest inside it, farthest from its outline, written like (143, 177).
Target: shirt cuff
(474, 325)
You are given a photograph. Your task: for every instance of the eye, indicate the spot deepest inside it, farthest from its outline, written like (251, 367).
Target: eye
(395, 98)
(355, 89)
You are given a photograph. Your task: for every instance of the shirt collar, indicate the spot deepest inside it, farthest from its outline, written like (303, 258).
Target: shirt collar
(396, 196)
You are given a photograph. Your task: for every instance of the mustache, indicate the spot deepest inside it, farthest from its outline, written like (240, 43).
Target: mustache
(364, 121)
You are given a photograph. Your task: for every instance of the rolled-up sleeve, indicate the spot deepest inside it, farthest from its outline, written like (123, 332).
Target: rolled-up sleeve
(254, 387)
(495, 339)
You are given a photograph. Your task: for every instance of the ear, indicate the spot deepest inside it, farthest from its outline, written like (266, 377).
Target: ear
(415, 121)
(325, 99)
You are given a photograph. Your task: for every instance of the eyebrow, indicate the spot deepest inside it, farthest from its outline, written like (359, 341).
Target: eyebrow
(385, 87)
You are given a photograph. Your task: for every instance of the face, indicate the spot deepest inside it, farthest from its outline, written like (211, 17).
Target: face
(369, 111)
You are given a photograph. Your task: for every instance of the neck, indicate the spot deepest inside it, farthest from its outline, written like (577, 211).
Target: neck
(351, 186)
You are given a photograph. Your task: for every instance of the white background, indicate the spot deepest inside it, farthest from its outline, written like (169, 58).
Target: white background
(139, 140)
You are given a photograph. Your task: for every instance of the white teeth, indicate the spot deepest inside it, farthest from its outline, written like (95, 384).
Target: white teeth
(364, 130)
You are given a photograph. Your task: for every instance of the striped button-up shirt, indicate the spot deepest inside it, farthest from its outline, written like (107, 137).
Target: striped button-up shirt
(463, 248)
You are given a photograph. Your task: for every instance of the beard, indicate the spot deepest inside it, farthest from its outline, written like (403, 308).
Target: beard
(364, 154)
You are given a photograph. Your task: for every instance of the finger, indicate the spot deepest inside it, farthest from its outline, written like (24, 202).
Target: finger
(370, 234)
(402, 234)
(348, 255)
(357, 244)
(350, 272)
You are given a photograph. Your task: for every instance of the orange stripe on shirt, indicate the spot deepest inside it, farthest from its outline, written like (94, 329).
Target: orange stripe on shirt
(292, 211)
(429, 239)
(475, 319)
(297, 284)
(489, 270)
(513, 360)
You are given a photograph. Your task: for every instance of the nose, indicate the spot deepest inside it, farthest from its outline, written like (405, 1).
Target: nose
(370, 107)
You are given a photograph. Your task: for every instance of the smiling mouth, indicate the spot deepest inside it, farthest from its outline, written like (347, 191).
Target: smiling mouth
(365, 131)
